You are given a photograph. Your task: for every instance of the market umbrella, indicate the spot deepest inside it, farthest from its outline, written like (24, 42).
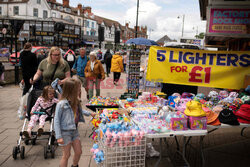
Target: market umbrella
(141, 41)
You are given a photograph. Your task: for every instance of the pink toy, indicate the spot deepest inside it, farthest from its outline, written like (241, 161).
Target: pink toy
(182, 104)
(121, 138)
(141, 135)
(134, 135)
(126, 138)
(114, 139)
(198, 123)
(109, 136)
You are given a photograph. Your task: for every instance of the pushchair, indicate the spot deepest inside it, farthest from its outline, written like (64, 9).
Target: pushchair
(50, 147)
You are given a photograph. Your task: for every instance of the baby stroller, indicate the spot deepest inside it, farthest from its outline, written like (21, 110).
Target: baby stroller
(50, 147)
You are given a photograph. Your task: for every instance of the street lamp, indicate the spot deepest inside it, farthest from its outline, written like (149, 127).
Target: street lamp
(150, 30)
(183, 19)
(137, 12)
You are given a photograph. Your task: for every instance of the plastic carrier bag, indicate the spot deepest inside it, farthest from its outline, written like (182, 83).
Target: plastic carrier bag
(23, 105)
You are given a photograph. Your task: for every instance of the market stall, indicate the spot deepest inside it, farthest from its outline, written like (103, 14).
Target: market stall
(121, 133)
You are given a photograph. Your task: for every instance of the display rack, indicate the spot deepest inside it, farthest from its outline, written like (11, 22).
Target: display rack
(133, 77)
(126, 155)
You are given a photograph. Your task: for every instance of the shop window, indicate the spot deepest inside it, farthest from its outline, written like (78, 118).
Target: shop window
(45, 14)
(53, 14)
(16, 10)
(35, 12)
(38, 1)
(87, 24)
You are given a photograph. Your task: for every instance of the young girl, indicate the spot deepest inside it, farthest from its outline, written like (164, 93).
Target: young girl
(47, 100)
(68, 114)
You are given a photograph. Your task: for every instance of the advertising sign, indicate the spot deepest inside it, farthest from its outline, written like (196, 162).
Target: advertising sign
(229, 21)
(4, 52)
(219, 69)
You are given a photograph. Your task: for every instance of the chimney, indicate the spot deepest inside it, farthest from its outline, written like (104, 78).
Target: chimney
(65, 3)
(80, 7)
(88, 9)
(138, 28)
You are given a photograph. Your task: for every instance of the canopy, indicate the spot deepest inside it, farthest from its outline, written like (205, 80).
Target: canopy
(141, 41)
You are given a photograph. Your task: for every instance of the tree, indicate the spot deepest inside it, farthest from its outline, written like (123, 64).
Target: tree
(200, 36)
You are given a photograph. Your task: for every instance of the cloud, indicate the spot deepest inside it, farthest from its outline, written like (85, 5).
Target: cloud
(159, 16)
(148, 12)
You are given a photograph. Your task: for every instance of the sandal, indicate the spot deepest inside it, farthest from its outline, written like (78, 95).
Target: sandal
(26, 134)
(39, 132)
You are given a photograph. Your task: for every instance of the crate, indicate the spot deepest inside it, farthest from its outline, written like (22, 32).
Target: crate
(123, 154)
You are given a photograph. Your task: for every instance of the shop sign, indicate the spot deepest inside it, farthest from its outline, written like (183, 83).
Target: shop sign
(4, 52)
(219, 69)
(233, 22)
(192, 41)
(43, 33)
(69, 35)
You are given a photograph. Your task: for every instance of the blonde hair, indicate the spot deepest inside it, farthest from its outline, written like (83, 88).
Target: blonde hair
(46, 91)
(79, 85)
(70, 92)
(49, 60)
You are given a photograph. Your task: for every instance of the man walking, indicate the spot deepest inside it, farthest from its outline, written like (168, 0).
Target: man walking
(79, 67)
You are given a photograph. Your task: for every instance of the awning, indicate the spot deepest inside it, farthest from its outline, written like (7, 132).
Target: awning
(89, 43)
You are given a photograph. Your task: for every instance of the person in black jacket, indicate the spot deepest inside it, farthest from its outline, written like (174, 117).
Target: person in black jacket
(29, 65)
(107, 61)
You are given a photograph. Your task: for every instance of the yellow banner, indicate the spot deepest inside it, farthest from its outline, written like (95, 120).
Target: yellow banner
(219, 69)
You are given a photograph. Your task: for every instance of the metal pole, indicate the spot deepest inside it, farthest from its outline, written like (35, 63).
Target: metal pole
(137, 13)
(183, 19)
(16, 65)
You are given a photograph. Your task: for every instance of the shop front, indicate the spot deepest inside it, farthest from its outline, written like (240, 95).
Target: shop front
(228, 28)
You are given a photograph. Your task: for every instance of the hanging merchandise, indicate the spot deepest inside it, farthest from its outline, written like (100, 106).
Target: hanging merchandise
(133, 77)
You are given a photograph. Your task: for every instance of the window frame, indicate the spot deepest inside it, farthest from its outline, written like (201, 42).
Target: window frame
(38, 1)
(14, 10)
(45, 11)
(34, 12)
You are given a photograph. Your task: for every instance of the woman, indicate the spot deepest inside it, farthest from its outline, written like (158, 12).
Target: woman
(94, 74)
(117, 66)
(107, 61)
(54, 66)
(28, 61)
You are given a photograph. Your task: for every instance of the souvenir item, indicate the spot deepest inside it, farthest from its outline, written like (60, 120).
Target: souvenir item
(194, 109)
(226, 116)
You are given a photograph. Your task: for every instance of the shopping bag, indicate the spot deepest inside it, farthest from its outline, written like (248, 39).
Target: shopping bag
(23, 105)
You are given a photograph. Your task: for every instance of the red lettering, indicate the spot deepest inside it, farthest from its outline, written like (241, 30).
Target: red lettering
(109, 83)
(208, 74)
(102, 85)
(120, 82)
(172, 68)
(184, 68)
(178, 69)
(193, 74)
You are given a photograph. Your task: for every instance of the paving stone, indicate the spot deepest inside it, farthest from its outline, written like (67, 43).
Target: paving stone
(3, 159)
(2, 147)
(2, 137)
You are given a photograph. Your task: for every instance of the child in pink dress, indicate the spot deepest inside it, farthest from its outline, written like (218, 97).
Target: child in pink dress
(46, 101)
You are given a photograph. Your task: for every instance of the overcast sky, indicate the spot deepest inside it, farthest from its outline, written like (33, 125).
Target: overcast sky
(160, 16)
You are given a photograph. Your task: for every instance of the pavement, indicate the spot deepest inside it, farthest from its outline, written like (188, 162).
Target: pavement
(224, 147)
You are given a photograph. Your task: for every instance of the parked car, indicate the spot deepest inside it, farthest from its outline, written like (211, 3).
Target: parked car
(35, 49)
